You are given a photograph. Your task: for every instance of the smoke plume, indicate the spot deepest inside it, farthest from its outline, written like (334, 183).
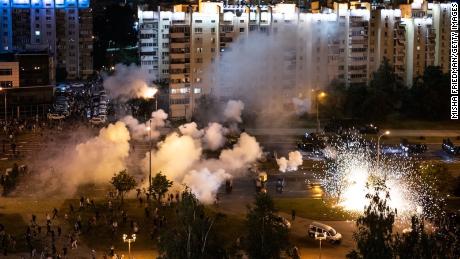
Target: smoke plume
(180, 158)
(206, 193)
(291, 164)
(94, 160)
(191, 129)
(301, 106)
(233, 111)
(214, 136)
(129, 82)
(141, 130)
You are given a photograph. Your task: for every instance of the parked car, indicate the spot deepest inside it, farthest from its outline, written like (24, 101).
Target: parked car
(449, 147)
(412, 148)
(331, 234)
(369, 129)
(98, 120)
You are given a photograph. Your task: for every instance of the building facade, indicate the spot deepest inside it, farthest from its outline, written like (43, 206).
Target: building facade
(346, 43)
(63, 28)
(9, 74)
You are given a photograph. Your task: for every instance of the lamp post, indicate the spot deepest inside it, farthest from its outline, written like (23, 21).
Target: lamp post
(129, 241)
(150, 156)
(2, 89)
(320, 237)
(378, 147)
(318, 96)
(151, 92)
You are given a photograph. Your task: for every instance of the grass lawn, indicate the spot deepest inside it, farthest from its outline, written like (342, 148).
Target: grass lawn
(315, 209)
(15, 214)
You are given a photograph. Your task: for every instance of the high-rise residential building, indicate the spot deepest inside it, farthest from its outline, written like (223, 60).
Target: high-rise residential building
(346, 43)
(63, 28)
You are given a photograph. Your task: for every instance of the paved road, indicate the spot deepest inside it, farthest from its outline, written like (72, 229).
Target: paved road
(394, 132)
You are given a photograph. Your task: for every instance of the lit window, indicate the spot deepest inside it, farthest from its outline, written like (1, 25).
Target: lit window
(37, 33)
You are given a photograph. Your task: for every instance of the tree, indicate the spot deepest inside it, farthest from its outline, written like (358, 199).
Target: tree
(386, 92)
(123, 183)
(374, 235)
(267, 233)
(427, 97)
(417, 243)
(160, 186)
(190, 234)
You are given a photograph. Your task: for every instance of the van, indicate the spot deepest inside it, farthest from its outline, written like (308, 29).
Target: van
(331, 234)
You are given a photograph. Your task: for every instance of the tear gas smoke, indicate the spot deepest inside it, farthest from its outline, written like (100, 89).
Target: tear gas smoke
(246, 151)
(206, 193)
(94, 160)
(214, 136)
(180, 158)
(281, 67)
(233, 110)
(129, 82)
(301, 106)
(191, 129)
(292, 163)
(141, 130)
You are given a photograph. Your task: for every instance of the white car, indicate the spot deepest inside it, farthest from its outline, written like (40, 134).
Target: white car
(317, 228)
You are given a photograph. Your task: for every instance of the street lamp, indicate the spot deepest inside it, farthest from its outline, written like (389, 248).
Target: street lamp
(320, 237)
(378, 147)
(129, 241)
(150, 93)
(2, 89)
(318, 96)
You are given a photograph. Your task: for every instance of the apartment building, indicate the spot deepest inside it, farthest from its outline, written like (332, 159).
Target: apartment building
(61, 27)
(346, 43)
(9, 74)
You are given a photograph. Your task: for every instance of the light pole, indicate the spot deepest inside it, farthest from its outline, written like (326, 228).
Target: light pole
(318, 96)
(129, 241)
(2, 89)
(320, 237)
(151, 92)
(150, 157)
(378, 147)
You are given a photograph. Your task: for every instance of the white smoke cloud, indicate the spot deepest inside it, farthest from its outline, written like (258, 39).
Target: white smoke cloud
(214, 136)
(180, 158)
(233, 110)
(292, 163)
(141, 130)
(175, 156)
(246, 151)
(94, 160)
(191, 129)
(129, 82)
(301, 106)
(206, 193)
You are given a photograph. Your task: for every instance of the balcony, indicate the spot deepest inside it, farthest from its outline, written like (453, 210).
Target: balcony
(177, 45)
(177, 66)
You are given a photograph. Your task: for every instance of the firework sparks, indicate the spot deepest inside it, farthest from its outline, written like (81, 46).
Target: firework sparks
(351, 173)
